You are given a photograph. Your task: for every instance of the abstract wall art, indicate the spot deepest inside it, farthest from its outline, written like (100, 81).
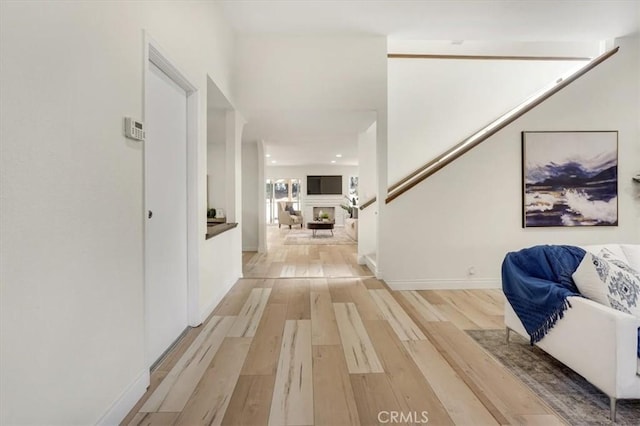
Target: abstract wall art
(570, 178)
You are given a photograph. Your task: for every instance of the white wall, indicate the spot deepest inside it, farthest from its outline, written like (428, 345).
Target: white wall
(221, 255)
(469, 213)
(250, 194)
(317, 73)
(434, 104)
(367, 185)
(216, 170)
(72, 209)
(216, 157)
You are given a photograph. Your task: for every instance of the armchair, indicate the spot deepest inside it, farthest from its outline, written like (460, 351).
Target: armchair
(286, 217)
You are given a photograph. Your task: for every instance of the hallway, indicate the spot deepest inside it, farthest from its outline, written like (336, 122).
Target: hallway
(311, 338)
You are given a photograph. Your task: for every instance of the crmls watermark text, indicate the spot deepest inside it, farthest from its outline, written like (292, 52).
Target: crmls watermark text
(403, 417)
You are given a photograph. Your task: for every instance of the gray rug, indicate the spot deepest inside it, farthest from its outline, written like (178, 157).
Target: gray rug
(323, 237)
(570, 395)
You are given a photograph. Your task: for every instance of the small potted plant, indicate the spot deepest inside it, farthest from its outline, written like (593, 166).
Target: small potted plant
(324, 217)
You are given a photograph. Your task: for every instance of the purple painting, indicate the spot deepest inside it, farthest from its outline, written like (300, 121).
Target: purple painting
(570, 178)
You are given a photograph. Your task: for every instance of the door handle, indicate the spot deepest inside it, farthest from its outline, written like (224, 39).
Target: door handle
(150, 214)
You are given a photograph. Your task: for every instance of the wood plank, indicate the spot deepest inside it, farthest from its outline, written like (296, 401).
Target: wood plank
(275, 270)
(209, 401)
(339, 289)
(288, 270)
(333, 399)
(280, 291)
(459, 401)
(292, 402)
(264, 352)
(373, 284)
(503, 389)
(156, 378)
(315, 269)
(358, 350)
(323, 320)
(398, 319)
(174, 391)
(233, 301)
(373, 397)
(154, 419)
(424, 308)
(249, 317)
(486, 303)
(457, 367)
(367, 308)
(460, 301)
(298, 301)
(172, 357)
(431, 297)
(456, 317)
(302, 269)
(412, 391)
(250, 402)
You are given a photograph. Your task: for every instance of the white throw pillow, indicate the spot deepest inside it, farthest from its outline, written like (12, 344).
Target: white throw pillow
(611, 282)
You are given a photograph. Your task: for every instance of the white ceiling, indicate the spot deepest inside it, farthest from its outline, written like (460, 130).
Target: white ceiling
(515, 20)
(295, 137)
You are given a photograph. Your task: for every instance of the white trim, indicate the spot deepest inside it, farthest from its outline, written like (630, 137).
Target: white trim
(153, 53)
(252, 248)
(443, 284)
(193, 220)
(371, 264)
(127, 400)
(262, 213)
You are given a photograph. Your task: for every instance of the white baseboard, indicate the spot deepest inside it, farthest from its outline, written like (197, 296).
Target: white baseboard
(130, 397)
(443, 284)
(371, 264)
(250, 248)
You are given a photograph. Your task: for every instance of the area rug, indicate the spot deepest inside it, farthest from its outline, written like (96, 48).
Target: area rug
(568, 393)
(323, 237)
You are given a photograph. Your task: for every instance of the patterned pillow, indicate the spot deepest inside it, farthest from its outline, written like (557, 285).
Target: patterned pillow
(610, 282)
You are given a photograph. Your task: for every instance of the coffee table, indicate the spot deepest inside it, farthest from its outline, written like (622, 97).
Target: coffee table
(315, 225)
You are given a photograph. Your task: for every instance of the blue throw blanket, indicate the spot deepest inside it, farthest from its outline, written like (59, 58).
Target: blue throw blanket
(537, 282)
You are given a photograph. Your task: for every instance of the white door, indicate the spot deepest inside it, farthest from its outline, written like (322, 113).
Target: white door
(166, 202)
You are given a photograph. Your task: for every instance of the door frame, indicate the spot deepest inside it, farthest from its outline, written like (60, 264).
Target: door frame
(154, 53)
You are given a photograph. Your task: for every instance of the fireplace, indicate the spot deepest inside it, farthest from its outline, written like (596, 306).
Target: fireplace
(330, 210)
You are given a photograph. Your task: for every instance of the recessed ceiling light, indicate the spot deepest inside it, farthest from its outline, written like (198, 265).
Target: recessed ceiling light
(339, 155)
(333, 161)
(268, 155)
(273, 161)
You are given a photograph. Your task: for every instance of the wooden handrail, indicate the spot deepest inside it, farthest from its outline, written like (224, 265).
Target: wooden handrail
(483, 134)
(368, 203)
(486, 57)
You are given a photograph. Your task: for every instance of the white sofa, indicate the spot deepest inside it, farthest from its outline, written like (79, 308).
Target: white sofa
(595, 341)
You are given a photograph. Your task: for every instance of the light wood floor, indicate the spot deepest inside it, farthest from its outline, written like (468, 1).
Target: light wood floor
(310, 338)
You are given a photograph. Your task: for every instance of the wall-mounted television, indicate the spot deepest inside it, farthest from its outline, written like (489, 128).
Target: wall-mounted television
(324, 185)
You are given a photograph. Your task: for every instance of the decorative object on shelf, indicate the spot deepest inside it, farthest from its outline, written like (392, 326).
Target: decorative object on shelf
(211, 213)
(570, 178)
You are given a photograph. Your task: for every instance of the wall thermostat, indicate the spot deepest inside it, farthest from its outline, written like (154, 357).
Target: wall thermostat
(133, 129)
